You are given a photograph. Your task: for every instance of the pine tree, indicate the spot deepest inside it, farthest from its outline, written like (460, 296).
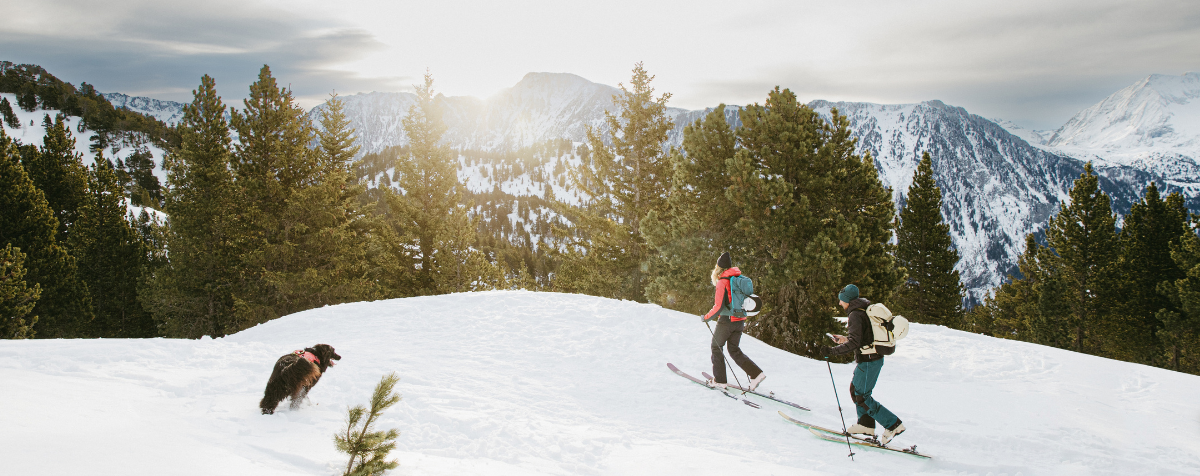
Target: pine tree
(273, 166)
(701, 221)
(932, 292)
(191, 295)
(111, 259)
(1179, 331)
(622, 184)
(1153, 226)
(428, 211)
(10, 118)
(17, 297)
(815, 217)
(1084, 247)
(27, 223)
(369, 449)
(58, 170)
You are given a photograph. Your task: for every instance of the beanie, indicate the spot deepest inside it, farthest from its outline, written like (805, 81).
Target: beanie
(849, 293)
(724, 261)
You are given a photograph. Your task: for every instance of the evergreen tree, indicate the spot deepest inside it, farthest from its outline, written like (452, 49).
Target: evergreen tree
(136, 174)
(794, 205)
(428, 212)
(17, 298)
(27, 223)
(1179, 330)
(10, 118)
(58, 170)
(622, 184)
(1084, 247)
(273, 166)
(701, 221)
(368, 449)
(932, 292)
(1153, 226)
(27, 98)
(191, 295)
(111, 258)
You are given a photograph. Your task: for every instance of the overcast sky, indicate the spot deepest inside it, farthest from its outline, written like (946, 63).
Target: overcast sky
(1036, 63)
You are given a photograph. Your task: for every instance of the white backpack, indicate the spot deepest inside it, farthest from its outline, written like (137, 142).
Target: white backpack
(887, 329)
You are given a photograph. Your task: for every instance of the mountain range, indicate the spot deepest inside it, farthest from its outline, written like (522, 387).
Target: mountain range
(999, 181)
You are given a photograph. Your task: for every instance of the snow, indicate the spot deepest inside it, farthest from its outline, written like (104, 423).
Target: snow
(32, 132)
(522, 383)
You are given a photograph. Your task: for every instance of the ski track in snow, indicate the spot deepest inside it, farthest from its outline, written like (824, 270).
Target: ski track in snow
(521, 383)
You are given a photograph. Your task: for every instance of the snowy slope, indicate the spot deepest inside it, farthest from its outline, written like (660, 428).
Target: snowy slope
(520, 383)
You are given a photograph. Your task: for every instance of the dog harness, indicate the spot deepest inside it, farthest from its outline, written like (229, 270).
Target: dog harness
(309, 356)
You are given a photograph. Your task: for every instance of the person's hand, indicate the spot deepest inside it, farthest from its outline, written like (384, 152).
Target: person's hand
(825, 352)
(839, 339)
(704, 318)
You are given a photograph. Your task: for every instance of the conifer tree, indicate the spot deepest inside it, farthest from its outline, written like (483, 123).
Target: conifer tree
(428, 212)
(1153, 226)
(58, 170)
(700, 223)
(815, 217)
(368, 449)
(932, 292)
(623, 182)
(111, 258)
(27, 223)
(1084, 247)
(10, 117)
(191, 295)
(1179, 331)
(273, 166)
(17, 297)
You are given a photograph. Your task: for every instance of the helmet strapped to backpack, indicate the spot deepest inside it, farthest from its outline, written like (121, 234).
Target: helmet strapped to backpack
(886, 330)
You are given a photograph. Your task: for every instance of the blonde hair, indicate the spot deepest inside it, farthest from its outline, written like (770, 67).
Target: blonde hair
(716, 274)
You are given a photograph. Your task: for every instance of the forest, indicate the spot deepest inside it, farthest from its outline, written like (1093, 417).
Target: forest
(266, 212)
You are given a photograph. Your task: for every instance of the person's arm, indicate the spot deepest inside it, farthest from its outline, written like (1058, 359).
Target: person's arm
(718, 298)
(852, 337)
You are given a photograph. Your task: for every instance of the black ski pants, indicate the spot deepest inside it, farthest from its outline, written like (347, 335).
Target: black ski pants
(727, 335)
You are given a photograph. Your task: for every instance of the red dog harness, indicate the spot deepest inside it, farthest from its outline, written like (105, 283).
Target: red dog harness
(309, 356)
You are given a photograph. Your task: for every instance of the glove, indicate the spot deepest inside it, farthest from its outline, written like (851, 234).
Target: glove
(825, 352)
(704, 318)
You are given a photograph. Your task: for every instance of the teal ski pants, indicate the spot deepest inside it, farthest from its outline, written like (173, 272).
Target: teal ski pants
(869, 410)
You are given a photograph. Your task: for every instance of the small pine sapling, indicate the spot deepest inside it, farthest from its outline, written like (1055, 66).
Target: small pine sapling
(368, 449)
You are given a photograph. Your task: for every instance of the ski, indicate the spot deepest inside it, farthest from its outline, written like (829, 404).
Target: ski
(839, 437)
(706, 385)
(768, 396)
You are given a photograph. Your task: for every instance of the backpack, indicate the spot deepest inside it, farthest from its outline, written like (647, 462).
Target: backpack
(742, 300)
(886, 328)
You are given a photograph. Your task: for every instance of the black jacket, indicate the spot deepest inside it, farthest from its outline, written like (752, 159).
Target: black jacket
(860, 332)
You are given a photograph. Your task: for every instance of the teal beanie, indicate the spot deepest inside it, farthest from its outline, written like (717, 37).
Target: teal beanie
(849, 293)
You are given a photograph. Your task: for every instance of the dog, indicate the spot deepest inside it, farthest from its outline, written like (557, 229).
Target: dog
(295, 374)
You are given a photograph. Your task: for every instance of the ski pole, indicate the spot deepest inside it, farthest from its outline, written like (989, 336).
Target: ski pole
(730, 367)
(840, 415)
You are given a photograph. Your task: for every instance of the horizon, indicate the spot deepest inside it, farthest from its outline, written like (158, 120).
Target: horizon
(1033, 63)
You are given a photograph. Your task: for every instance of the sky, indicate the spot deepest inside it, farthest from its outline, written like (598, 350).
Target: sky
(1036, 63)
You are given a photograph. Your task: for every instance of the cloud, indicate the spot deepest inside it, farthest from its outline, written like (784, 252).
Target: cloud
(162, 49)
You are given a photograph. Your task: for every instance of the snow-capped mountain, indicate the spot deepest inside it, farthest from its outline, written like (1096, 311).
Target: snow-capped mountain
(1153, 125)
(541, 107)
(169, 112)
(996, 187)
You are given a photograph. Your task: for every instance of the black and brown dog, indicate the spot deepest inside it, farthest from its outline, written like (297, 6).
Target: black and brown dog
(295, 374)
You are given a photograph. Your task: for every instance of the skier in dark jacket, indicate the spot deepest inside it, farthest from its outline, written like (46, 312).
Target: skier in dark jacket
(729, 328)
(866, 373)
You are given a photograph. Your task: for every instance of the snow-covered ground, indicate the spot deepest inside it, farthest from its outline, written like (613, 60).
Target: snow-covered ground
(522, 383)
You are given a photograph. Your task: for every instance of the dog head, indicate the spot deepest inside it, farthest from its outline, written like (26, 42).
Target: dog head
(325, 355)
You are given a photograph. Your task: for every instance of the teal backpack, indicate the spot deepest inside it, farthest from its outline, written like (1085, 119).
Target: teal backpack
(743, 301)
